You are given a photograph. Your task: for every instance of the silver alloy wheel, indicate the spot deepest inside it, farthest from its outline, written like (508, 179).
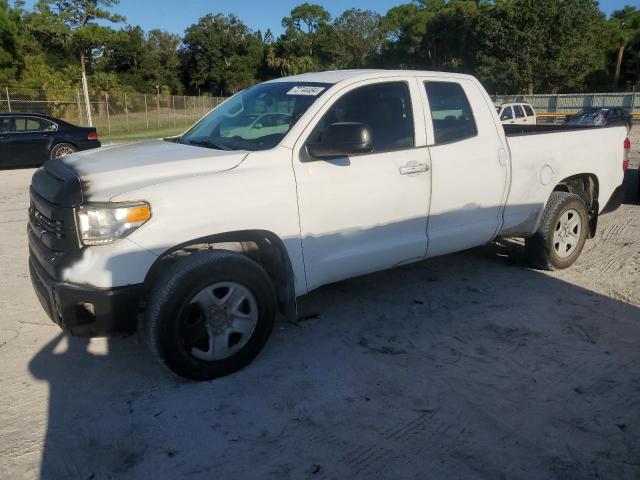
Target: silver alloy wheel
(220, 320)
(566, 235)
(62, 151)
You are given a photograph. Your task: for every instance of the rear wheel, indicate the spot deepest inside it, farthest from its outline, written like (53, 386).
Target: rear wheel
(561, 234)
(210, 314)
(62, 149)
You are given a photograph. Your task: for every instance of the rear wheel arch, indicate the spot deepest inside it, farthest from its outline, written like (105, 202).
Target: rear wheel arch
(264, 247)
(587, 187)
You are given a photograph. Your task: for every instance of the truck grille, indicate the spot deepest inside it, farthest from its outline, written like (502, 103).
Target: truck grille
(41, 221)
(52, 224)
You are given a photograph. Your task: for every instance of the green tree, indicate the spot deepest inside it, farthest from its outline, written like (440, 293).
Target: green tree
(406, 25)
(74, 24)
(161, 61)
(626, 28)
(125, 51)
(11, 53)
(356, 37)
(302, 46)
(220, 53)
(434, 34)
(515, 52)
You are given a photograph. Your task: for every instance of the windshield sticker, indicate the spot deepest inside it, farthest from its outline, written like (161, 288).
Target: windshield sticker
(301, 90)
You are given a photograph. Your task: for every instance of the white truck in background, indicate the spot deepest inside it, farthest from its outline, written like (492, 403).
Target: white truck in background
(202, 240)
(517, 113)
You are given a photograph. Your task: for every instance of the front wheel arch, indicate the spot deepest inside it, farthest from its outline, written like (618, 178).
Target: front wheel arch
(263, 246)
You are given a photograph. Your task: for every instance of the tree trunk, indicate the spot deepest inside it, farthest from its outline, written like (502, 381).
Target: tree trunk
(616, 76)
(85, 89)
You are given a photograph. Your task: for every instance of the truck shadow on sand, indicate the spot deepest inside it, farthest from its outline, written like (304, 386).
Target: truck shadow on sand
(467, 364)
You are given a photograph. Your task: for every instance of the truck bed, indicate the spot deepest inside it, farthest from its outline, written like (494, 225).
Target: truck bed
(538, 164)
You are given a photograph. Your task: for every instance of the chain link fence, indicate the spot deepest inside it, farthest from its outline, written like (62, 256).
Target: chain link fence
(115, 113)
(118, 113)
(555, 108)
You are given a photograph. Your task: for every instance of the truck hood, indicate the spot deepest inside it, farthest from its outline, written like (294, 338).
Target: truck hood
(110, 171)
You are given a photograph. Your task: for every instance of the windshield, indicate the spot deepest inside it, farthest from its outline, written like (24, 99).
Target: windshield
(256, 119)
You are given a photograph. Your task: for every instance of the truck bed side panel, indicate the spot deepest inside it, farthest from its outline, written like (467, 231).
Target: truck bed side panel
(540, 161)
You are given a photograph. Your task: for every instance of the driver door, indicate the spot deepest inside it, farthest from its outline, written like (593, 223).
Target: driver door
(365, 212)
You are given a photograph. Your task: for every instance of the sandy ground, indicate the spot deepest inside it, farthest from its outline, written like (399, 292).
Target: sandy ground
(467, 366)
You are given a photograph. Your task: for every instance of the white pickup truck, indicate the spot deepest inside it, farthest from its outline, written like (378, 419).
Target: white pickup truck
(200, 241)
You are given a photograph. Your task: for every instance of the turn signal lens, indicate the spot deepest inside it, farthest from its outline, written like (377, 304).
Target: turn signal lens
(138, 214)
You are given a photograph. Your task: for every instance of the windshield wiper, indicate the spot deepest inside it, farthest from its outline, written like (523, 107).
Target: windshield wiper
(208, 144)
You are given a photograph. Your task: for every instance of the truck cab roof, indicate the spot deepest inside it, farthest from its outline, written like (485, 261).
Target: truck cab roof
(337, 76)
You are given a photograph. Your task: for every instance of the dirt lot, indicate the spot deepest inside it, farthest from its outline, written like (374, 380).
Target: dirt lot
(463, 367)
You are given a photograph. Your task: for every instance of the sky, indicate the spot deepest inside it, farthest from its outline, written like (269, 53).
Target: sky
(174, 16)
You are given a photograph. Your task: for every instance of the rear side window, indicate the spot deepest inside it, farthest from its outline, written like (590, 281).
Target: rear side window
(507, 113)
(26, 124)
(5, 124)
(529, 111)
(450, 112)
(519, 111)
(385, 107)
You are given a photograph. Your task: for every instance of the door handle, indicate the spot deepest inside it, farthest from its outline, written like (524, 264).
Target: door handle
(410, 168)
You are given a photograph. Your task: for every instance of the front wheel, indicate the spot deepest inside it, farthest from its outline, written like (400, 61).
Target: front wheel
(210, 314)
(561, 234)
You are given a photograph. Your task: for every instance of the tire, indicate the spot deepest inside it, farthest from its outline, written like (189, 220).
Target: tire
(62, 149)
(545, 249)
(180, 331)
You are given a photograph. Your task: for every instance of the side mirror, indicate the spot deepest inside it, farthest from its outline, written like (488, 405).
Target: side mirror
(343, 139)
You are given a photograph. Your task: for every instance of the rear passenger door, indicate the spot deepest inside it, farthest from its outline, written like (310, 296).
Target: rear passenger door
(469, 166)
(31, 140)
(531, 115)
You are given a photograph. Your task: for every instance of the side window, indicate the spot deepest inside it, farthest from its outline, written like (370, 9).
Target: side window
(19, 124)
(26, 124)
(385, 107)
(5, 124)
(507, 113)
(529, 110)
(47, 126)
(519, 111)
(450, 112)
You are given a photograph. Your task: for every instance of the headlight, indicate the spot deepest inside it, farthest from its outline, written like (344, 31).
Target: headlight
(105, 223)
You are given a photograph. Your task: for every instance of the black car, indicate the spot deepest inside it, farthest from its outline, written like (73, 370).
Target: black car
(600, 117)
(29, 139)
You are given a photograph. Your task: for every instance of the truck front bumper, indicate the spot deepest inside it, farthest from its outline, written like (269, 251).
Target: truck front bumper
(86, 311)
